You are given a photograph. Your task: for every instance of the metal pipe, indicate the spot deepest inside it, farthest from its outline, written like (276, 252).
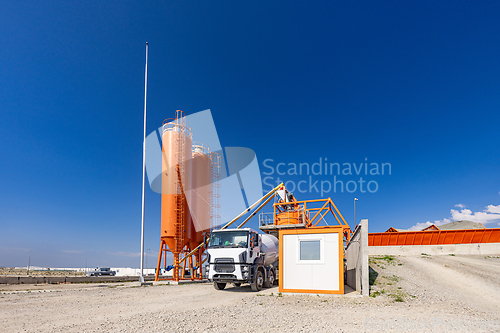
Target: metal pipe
(141, 278)
(237, 217)
(252, 206)
(191, 253)
(255, 212)
(355, 199)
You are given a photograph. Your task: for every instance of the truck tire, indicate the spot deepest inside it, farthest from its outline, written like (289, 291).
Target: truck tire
(270, 280)
(258, 281)
(219, 285)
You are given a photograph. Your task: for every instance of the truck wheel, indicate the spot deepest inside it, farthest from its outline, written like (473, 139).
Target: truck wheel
(219, 286)
(270, 280)
(258, 281)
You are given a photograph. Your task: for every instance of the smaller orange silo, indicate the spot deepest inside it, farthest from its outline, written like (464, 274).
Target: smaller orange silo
(200, 193)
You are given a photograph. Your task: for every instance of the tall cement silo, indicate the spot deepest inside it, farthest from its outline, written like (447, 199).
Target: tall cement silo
(176, 180)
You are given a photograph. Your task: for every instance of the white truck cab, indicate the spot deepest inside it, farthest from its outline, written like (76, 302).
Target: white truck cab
(242, 256)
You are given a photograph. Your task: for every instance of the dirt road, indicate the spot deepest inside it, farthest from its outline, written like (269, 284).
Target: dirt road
(422, 293)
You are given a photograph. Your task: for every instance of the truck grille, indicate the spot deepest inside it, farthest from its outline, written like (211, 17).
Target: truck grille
(224, 265)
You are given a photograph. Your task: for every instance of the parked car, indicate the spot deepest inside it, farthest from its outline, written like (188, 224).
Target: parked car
(101, 271)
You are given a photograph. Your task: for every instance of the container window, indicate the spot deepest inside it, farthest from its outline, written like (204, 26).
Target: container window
(310, 250)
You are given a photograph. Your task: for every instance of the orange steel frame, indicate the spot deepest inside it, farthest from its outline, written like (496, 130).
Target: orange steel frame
(437, 237)
(195, 274)
(339, 229)
(319, 213)
(318, 209)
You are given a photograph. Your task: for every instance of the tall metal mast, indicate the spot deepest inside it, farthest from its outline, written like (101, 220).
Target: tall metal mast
(141, 279)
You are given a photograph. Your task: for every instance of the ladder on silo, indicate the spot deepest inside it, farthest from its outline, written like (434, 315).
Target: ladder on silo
(179, 222)
(215, 190)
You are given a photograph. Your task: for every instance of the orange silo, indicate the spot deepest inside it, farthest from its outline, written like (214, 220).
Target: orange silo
(176, 180)
(201, 193)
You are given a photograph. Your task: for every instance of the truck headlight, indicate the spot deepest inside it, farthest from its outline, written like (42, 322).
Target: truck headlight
(244, 268)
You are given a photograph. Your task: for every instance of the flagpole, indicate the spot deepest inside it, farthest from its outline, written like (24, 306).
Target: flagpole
(141, 279)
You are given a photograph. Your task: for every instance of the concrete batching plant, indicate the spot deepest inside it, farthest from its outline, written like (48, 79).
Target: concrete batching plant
(294, 249)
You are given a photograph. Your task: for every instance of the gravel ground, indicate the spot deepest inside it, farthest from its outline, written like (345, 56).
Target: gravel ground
(422, 293)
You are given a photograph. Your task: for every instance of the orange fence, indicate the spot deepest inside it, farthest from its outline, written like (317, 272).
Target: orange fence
(434, 237)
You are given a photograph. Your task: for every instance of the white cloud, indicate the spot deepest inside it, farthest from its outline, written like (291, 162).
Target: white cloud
(460, 205)
(420, 226)
(493, 209)
(489, 215)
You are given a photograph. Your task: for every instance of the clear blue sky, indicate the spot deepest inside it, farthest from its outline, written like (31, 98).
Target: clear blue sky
(414, 84)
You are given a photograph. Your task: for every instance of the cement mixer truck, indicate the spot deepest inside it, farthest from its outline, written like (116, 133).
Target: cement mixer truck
(242, 256)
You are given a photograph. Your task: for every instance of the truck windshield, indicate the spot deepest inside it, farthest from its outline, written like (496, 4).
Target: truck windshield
(228, 239)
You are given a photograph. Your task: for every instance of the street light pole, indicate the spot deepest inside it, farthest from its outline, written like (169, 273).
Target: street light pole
(355, 199)
(141, 279)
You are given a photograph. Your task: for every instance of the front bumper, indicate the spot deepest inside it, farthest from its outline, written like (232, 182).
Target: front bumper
(241, 273)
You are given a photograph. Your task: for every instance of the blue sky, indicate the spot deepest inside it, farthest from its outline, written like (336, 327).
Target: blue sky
(413, 84)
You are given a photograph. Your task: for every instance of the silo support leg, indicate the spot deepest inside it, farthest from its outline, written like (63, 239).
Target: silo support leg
(158, 266)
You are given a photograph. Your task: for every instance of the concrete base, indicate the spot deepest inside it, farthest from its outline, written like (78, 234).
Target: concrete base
(348, 292)
(409, 250)
(187, 282)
